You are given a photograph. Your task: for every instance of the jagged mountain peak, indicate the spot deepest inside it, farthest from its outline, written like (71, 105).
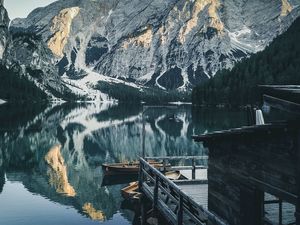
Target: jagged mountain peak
(170, 45)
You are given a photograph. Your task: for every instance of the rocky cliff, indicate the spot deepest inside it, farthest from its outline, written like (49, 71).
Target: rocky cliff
(26, 56)
(171, 45)
(4, 22)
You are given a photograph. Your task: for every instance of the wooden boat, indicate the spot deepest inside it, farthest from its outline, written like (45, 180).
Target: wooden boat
(127, 168)
(131, 191)
(175, 175)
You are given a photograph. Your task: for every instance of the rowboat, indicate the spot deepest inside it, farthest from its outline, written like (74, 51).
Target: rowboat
(131, 191)
(175, 175)
(127, 168)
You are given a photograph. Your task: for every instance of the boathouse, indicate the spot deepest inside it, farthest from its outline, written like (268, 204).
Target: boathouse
(254, 171)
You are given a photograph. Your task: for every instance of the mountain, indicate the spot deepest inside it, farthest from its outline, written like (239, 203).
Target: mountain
(4, 21)
(278, 64)
(167, 46)
(13, 87)
(27, 68)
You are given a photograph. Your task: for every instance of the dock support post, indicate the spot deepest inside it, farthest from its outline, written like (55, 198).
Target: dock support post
(155, 196)
(180, 211)
(165, 165)
(143, 210)
(193, 169)
(142, 199)
(252, 206)
(297, 213)
(143, 138)
(141, 178)
(280, 212)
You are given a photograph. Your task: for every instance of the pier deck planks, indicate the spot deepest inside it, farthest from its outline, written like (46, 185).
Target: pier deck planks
(198, 192)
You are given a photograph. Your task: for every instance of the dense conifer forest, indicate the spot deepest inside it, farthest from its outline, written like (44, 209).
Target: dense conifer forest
(124, 93)
(278, 64)
(15, 88)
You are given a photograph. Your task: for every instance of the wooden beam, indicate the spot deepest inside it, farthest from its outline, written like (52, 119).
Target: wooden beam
(189, 167)
(190, 182)
(143, 210)
(180, 211)
(297, 214)
(252, 206)
(284, 105)
(193, 169)
(155, 195)
(177, 158)
(287, 196)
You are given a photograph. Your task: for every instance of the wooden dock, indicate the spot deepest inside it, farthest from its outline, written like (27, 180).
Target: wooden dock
(181, 202)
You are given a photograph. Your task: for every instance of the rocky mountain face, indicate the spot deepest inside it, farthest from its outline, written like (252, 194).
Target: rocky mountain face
(170, 44)
(4, 22)
(25, 53)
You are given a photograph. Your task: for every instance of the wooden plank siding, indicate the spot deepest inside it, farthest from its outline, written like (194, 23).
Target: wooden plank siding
(245, 163)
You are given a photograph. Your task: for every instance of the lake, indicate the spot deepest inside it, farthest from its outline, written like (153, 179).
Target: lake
(51, 156)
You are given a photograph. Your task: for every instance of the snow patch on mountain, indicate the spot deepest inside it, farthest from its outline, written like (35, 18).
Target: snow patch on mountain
(87, 87)
(240, 40)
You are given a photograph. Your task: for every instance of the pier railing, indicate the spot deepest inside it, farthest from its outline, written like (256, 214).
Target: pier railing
(193, 159)
(170, 200)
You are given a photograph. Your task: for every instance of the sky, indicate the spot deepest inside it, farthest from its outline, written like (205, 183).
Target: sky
(21, 8)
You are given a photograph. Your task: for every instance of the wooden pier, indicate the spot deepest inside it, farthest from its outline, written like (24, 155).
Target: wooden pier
(181, 202)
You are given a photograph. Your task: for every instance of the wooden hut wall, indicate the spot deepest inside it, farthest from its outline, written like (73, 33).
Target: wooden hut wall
(243, 167)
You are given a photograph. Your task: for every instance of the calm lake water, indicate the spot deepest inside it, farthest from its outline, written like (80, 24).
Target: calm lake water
(51, 156)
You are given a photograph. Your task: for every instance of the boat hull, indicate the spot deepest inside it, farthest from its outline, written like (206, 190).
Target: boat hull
(126, 168)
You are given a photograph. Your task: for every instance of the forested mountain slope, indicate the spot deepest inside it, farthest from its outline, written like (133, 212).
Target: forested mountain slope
(278, 64)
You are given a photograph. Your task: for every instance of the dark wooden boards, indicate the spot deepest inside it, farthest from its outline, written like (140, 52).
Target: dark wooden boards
(247, 162)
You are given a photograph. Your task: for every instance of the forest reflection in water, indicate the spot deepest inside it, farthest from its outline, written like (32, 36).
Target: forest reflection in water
(53, 154)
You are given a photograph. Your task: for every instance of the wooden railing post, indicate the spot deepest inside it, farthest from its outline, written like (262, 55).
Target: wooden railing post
(280, 212)
(141, 178)
(193, 169)
(297, 213)
(180, 211)
(142, 199)
(165, 165)
(155, 195)
(143, 210)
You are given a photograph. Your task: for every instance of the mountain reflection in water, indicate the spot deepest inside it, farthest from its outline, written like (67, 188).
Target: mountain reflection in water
(51, 157)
